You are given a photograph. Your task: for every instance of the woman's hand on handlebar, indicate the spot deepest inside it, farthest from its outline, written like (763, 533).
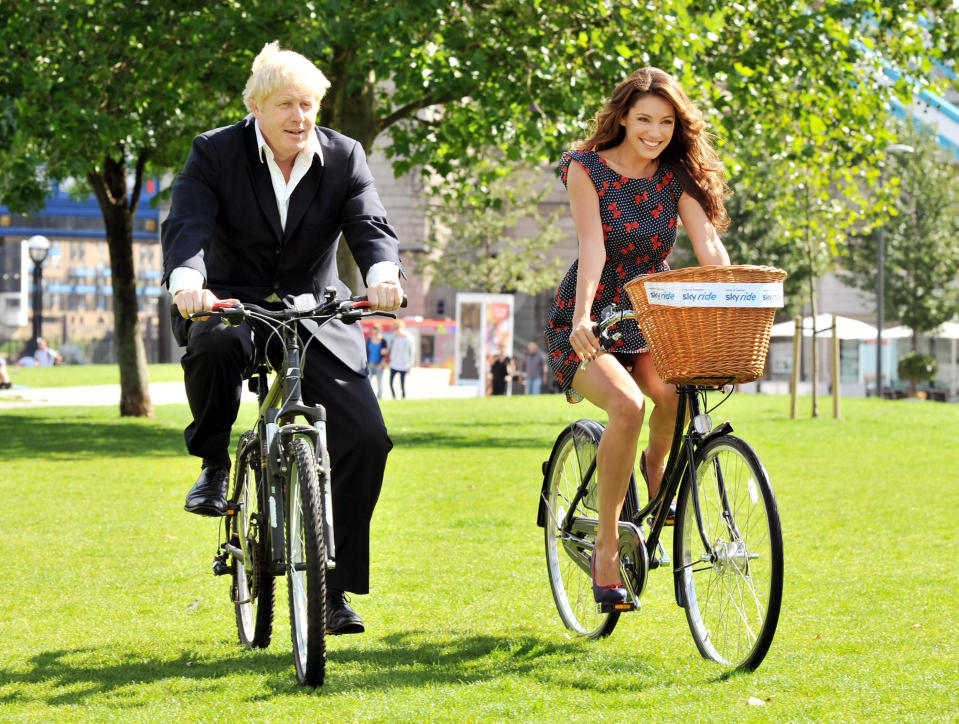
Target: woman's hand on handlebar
(385, 296)
(192, 301)
(584, 340)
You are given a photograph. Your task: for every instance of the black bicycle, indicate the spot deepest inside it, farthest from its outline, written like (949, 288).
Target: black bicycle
(727, 541)
(280, 512)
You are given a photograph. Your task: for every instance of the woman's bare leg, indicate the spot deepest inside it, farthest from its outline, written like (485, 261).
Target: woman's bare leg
(662, 420)
(607, 384)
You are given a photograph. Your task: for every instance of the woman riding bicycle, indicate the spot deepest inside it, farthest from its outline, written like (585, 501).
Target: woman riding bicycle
(648, 161)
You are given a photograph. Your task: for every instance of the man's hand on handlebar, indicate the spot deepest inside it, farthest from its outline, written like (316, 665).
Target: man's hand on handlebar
(192, 301)
(384, 296)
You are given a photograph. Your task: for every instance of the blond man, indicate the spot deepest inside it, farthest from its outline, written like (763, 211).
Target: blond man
(256, 215)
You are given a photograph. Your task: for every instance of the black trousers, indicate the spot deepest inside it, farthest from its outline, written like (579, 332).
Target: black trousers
(217, 359)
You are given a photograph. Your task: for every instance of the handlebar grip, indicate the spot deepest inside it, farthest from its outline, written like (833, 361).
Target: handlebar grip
(364, 303)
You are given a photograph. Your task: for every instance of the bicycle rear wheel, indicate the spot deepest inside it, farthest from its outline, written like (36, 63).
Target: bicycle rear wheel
(568, 555)
(306, 574)
(729, 554)
(253, 583)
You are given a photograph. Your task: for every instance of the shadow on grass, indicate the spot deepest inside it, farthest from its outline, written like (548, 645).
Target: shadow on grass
(29, 436)
(403, 660)
(472, 435)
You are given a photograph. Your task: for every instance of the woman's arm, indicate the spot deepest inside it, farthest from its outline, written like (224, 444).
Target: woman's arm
(707, 246)
(584, 205)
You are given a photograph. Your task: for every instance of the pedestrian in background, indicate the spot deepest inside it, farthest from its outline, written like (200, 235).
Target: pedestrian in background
(401, 356)
(45, 356)
(535, 366)
(376, 348)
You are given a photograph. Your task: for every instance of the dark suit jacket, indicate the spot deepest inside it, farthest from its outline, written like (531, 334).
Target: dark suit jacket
(224, 223)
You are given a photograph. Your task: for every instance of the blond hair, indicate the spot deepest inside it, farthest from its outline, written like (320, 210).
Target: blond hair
(274, 68)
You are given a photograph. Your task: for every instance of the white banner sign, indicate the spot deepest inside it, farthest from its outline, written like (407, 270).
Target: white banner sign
(715, 294)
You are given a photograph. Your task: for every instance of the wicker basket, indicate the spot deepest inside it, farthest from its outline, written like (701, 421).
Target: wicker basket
(706, 345)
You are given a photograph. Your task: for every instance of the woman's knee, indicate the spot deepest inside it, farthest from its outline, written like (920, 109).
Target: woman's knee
(666, 397)
(628, 411)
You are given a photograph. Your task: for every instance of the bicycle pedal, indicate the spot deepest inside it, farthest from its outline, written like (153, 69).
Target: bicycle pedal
(220, 566)
(611, 607)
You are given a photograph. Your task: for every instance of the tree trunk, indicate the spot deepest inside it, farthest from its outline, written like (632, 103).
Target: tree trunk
(353, 114)
(109, 186)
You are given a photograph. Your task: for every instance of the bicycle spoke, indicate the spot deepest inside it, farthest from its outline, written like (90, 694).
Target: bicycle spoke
(570, 583)
(731, 596)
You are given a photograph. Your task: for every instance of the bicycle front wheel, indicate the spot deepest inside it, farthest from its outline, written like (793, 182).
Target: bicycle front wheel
(253, 583)
(306, 574)
(729, 553)
(568, 554)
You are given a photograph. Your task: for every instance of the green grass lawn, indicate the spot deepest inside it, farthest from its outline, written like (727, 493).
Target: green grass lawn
(77, 375)
(109, 610)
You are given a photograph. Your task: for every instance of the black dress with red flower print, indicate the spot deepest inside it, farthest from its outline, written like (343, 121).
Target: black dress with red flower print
(639, 227)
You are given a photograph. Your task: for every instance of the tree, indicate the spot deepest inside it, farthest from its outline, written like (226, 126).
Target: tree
(922, 258)
(105, 93)
(477, 240)
(797, 96)
(108, 91)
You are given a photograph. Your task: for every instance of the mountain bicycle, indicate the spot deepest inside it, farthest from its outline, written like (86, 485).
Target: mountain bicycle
(727, 541)
(279, 518)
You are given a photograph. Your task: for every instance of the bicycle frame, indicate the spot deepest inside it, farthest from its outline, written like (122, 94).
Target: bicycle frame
(280, 406)
(680, 463)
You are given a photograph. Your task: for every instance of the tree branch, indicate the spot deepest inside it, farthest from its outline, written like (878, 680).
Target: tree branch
(411, 108)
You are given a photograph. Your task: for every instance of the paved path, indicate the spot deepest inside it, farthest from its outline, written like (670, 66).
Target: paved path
(421, 383)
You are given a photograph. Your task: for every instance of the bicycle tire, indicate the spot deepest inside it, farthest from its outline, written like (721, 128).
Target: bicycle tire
(566, 560)
(306, 564)
(253, 586)
(732, 595)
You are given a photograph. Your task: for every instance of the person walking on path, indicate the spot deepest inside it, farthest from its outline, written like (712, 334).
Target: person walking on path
(376, 357)
(535, 366)
(647, 165)
(255, 217)
(501, 370)
(401, 356)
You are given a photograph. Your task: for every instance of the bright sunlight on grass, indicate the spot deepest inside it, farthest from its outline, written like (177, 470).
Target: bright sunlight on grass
(109, 609)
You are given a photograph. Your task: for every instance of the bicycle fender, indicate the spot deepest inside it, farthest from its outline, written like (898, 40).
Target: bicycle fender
(588, 431)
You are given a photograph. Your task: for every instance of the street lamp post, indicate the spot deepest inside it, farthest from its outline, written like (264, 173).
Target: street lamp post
(880, 270)
(38, 247)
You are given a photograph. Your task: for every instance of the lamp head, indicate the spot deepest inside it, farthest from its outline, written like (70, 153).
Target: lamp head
(38, 247)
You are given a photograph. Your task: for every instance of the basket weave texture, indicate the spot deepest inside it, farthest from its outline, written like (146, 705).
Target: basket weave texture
(706, 345)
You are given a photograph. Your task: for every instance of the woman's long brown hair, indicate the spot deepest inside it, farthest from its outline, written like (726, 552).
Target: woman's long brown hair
(689, 152)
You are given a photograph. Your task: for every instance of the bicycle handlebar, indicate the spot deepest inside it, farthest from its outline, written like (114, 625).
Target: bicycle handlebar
(610, 317)
(346, 310)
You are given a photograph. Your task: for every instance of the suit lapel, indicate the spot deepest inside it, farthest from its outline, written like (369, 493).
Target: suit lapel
(304, 194)
(262, 185)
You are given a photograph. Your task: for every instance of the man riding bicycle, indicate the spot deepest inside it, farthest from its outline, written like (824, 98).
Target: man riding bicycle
(255, 216)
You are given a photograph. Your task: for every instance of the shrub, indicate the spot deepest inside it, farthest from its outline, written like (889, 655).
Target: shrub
(917, 367)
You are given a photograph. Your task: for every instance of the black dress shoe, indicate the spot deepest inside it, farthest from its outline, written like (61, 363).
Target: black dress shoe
(208, 494)
(340, 618)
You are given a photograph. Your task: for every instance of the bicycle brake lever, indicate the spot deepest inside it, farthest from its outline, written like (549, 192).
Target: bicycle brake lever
(229, 312)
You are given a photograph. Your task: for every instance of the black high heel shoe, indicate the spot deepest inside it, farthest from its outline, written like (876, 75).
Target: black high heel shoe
(607, 594)
(671, 515)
